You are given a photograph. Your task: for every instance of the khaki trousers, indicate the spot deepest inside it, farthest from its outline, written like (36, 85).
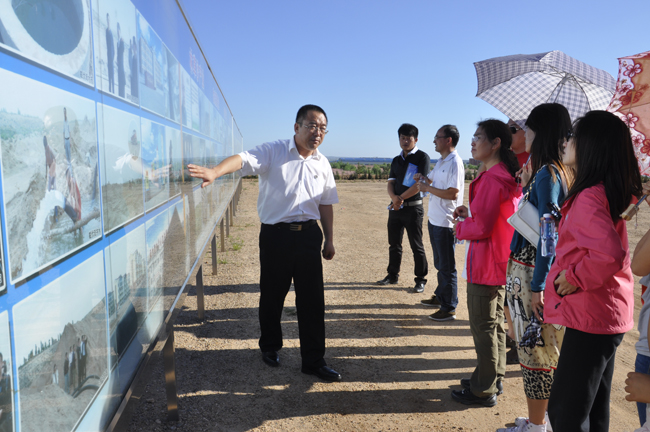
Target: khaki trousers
(485, 307)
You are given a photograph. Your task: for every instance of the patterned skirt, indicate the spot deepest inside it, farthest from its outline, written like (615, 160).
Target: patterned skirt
(539, 362)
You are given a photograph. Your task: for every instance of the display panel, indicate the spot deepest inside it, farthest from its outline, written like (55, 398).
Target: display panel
(122, 170)
(116, 48)
(154, 85)
(55, 34)
(156, 165)
(61, 327)
(49, 173)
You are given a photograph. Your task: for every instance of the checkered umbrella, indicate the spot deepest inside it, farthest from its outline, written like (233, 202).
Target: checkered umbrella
(631, 103)
(518, 83)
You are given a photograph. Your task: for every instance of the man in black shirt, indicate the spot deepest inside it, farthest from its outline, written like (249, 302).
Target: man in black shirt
(406, 210)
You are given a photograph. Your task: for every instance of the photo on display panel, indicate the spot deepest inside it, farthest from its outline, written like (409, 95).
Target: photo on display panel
(154, 85)
(126, 283)
(205, 112)
(155, 159)
(186, 99)
(7, 415)
(55, 34)
(156, 228)
(175, 149)
(173, 73)
(49, 172)
(190, 146)
(179, 235)
(61, 328)
(116, 48)
(122, 166)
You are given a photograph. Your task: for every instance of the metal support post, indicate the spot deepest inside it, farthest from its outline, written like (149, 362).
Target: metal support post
(222, 235)
(230, 207)
(213, 245)
(170, 378)
(228, 221)
(200, 300)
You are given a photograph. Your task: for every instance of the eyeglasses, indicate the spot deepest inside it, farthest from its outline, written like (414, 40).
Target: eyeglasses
(514, 129)
(476, 138)
(312, 128)
(439, 137)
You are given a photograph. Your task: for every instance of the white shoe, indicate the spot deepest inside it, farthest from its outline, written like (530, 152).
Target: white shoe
(522, 421)
(524, 426)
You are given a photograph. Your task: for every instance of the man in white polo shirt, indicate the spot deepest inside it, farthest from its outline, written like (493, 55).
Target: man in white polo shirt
(296, 189)
(446, 184)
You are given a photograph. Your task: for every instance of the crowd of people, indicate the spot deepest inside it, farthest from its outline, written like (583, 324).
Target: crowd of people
(566, 312)
(74, 366)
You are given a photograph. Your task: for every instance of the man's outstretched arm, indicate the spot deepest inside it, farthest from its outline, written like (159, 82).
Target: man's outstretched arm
(208, 175)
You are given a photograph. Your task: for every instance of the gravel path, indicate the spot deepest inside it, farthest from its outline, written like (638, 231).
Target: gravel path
(398, 367)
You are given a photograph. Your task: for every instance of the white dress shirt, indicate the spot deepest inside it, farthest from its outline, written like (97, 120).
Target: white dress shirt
(291, 187)
(448, 173)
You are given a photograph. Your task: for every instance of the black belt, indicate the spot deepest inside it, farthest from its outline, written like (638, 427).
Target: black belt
(294, 226)
(412, 203)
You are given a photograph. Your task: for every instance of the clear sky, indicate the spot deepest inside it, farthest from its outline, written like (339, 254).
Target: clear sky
(372, 65)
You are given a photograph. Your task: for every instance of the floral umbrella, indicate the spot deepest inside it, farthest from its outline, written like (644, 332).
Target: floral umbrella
(631, 103)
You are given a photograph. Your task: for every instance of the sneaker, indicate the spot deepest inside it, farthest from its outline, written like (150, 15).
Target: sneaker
(526, 427)
(523, 421)
(388, 280)
(466, 397)
(418, 288)
(443, 315)
(464, 382)
(431, 302)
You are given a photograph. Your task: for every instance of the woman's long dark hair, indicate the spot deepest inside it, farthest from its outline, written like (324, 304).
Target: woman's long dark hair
(551, 123)
(497, 129)
(604, 153)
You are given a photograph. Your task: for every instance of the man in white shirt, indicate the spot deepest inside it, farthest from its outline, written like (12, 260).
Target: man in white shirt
(296, 189)
(446, 184)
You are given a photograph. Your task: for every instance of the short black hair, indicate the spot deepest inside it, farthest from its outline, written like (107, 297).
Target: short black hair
(451, 131)
(408, 129)
(302, 112)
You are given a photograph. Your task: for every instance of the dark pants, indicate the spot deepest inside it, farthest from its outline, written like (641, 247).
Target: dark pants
(642, 365)
(410, 218)
(443, 245)
(485, 307)
(583, 380)
(285, 256)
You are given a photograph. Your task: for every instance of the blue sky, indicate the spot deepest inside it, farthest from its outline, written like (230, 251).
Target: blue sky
(373, 65)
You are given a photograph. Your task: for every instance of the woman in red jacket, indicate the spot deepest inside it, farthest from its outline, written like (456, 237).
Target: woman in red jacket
(492, 197)
(589, 288)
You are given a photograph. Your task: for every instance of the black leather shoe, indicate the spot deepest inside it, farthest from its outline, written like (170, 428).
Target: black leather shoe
(388, 280)
(419, 287)
(466, 397)
(271, 358)
(465, 384)
(323, 372)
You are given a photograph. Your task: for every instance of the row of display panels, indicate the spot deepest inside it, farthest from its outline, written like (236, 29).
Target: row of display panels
(103, 225)
(111, 45)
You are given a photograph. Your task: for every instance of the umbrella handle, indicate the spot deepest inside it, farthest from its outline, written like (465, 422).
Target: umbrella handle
(629, 212)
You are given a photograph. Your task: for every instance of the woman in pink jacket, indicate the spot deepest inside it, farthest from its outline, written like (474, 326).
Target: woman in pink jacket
(589, 288)
(492, 197)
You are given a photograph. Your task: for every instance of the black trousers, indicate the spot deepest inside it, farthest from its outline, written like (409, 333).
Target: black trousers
(583, 381)
(285, 256)
(409, 218)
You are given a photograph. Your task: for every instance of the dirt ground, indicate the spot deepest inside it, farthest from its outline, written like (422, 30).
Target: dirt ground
(398, 367)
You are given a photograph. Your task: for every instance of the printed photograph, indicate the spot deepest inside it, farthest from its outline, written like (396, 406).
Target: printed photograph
(154, 86)
(205, 111)
(49, 173)
(173, 74)
(61, 348)
(156, 228)
(6, 384)
(155, 158)
(55, 34)
(122, 166)
(126, 283)
(186, 98)
(173, 138)
(116, 48)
